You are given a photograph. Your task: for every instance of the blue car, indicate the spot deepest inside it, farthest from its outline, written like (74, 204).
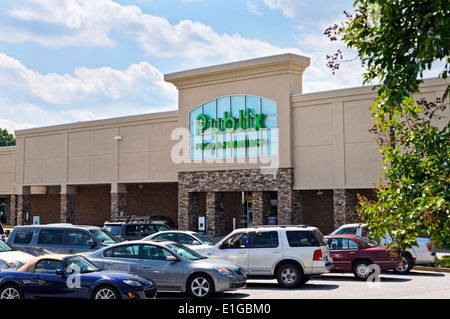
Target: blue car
(62, 276)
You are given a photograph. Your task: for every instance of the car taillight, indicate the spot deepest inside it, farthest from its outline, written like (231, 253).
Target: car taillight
(317, 255)
(3, 237)
(429, 247)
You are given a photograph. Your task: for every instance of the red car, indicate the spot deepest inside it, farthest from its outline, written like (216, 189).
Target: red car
(356, 254)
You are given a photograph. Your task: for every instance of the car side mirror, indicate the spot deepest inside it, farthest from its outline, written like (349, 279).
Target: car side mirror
(172, 258)
(61, 273)
(91, 243)
(196, 242)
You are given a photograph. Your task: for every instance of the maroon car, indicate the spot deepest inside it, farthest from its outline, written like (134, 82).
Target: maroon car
(356, 254)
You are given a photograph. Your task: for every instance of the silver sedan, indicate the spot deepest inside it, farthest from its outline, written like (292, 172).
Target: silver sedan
(172, 266)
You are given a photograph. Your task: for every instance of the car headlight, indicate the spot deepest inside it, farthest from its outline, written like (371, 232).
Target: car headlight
(224, 271)
(133, 283)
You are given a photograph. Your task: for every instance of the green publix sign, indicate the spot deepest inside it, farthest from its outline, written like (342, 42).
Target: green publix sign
(229, 124)
(219, 125)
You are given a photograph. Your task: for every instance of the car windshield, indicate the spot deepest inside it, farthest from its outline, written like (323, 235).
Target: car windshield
(79, 264)
(185, 252)
(113, 228)
(203, 239)
(5, 247)
(367, 241)
(104, 236)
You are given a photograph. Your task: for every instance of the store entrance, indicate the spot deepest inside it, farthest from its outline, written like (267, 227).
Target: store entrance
(247, 209)
(3, 211)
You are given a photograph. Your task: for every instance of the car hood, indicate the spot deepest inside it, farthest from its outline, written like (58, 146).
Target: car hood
(211, 262)
(16, 255)
(117, 274)
(203, 249)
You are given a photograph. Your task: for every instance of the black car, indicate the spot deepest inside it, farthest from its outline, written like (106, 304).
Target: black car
(133, 228)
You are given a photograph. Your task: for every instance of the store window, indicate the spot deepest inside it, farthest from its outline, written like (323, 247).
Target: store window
(233, 126)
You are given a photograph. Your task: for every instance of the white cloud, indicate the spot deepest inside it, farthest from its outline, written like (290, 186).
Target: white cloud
(84, 22)
(27, 96)
(253, 8)
(287, 6)
(86, 84)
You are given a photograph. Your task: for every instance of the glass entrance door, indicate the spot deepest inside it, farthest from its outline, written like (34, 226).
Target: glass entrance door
(246, 210)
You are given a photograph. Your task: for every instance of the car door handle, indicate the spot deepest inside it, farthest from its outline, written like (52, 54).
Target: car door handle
(71, 251)
(352, 253)
(146, 266)
(109, 262)
(242, 252)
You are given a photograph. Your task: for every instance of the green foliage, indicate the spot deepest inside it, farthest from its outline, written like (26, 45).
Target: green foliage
(6, 139)
(442, 262)
(397, 40)
(414, 198)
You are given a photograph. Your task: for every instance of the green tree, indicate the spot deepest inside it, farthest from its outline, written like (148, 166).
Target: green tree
(397, 40)
(6, 139)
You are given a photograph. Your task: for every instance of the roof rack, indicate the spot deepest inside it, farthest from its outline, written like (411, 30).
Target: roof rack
(131, 219)
(281, 226)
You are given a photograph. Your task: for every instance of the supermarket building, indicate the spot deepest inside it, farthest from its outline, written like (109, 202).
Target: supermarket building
(245, 147)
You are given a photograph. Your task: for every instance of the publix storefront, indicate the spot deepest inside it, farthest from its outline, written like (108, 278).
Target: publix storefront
(245, 147)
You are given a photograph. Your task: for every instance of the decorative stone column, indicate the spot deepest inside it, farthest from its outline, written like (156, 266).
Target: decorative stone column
(24, 206)
(118, 200)
(188, 209)
(13, 210)
(344, 207)
(215, 225)
(261, 207)
(289, 207)
(289, 200)
(67, 204)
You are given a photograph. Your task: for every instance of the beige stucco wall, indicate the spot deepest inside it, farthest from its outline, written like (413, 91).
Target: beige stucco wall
(332, 145)
(7, 169)
(88, 153)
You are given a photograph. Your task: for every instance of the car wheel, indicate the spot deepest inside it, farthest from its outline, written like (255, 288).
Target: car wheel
(10, 292)
(362, 270)
(105, 292)
(289, 276)
(406, 266)
(200, 286)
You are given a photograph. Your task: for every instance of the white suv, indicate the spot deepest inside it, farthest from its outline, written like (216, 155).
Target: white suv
(289, 253)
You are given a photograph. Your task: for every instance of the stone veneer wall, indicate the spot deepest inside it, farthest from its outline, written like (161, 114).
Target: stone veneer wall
(192, 183)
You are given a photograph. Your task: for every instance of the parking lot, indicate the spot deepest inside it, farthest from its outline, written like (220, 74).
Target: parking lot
(415, 285)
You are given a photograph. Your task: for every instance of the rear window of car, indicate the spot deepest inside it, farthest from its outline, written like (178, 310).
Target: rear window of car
(23, 236)
(302, 238)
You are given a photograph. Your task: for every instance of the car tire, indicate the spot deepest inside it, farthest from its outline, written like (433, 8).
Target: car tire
(200, 286)
(362, 270)
(407, 264)
(289, 276)
(11, 292)
(105, 292)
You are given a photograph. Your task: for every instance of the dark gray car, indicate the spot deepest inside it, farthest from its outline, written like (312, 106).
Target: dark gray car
(39, 240)
(172, 266)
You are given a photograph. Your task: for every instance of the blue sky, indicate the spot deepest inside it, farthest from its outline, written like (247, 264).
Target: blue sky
(63, 61)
